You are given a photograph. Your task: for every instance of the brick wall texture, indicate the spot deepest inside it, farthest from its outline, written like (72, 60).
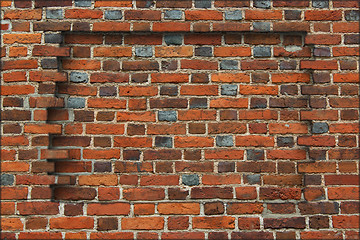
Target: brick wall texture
(179, 119)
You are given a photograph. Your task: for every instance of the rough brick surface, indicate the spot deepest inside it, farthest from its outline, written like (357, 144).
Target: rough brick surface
(189, 119)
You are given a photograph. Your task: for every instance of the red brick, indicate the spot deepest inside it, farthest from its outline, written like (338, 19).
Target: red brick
(22, 38)
(159, 180)
(72, 223)
(103, 209)
(323, 15)
(203, 15)
(179, 208)
(263, 14)
(142, 223)
(224, 222)
(136, 194)
(171, 27)
(319, 64)
(111, 26)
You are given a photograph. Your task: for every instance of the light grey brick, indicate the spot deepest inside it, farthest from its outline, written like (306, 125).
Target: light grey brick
(203, 3)
(163, 142)
(224, 141)
(82, 3)
(253, 179)
(233, 15)
(113, 14)
(229, 65)
(169, 116)
(7, 179)
(173, 14)
(320, 127)
(143, 51)
(75, 102)
(229, 90)
(79, 77)
(262, 52)
(353, 15)
(53, 38)
(173, 39)
(190, 180)
(261, 26)
(54, 13)
(262, 3)
(320, 3)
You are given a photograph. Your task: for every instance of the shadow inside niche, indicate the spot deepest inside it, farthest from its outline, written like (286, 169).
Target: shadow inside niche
(74, 113)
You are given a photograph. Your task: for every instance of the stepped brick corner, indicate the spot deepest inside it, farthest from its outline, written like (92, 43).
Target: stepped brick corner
(179, 119)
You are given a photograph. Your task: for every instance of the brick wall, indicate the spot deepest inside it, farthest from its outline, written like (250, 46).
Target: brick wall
(182, 119)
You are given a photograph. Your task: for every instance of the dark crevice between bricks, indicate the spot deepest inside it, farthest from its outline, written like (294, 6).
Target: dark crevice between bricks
(53, 117)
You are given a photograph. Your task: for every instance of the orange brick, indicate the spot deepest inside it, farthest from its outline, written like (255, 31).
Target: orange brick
(142, 223)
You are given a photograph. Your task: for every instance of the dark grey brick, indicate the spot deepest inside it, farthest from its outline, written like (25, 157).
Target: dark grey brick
(229, 90)
(319, 127)
(108, 91)
(317, 154)
(163, 142)
(224, 141)
(149, 3)
(288, 89)
(190, 180)
(173, 14)
(204, 51)
(258, 103)
(353, 15)
(113, 14)
(352, 39)
(53, 38)
(82, 3)
(254, 154)
(49, 63)
(169, 65)
(285, 141)
(253, 179)
(79, 77)
(143, 51)
(169, 90)
(169, 116)
(261, 26)
(322, 52)
(288, 65)
(233, 15)
(102, 166)
(229, 65)
(262, 51)
(54, 14)
(226, 167)
(292, 15)
(198, 103)
(131, 154)
(75, 102)
(312, 180)
(320, 3)
(262, 3)
(203, 3)
(173, 39)
(7, 179)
